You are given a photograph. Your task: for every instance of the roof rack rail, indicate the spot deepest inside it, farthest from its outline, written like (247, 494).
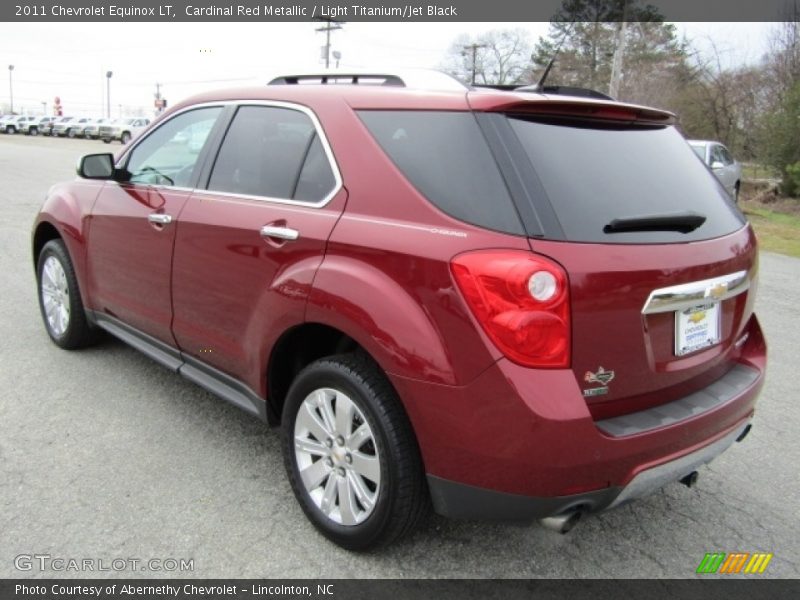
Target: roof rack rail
(409, 78)
(340, 78)
(559, 90)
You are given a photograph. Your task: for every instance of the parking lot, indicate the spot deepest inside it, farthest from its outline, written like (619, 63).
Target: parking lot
(105, 455)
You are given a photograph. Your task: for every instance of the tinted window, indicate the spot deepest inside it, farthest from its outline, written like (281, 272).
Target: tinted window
(272, 152)
(445, 156)
(594, 175)
(168, 155)
(316, 177)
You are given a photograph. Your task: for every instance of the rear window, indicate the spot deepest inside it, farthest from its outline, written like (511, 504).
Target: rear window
(592, 175)
(446, 158)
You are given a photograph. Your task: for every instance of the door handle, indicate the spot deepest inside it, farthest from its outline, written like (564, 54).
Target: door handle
(281, 233)
(159, 219)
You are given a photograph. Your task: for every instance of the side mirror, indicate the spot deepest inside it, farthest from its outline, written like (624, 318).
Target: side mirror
(96, 166)
(717, 165)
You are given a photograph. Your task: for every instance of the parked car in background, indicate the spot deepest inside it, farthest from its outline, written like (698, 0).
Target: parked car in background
(719, 159)
(48, 128)
(61, 125)
(35, 127)
(3, 121)
(15, 123)
(78, 127)
(123, 130)
(501, 304)
(92, 130)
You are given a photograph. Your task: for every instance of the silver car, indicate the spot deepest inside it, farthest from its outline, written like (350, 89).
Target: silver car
(14, 123)
(718, 158)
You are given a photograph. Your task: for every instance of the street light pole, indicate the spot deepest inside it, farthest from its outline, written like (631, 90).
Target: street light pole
(108, 92)
(11, 87)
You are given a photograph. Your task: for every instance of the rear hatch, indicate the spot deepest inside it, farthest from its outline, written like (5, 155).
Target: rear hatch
(660, 261)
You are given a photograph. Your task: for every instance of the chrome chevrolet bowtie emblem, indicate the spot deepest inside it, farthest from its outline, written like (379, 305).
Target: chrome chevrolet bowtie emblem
(716, 291)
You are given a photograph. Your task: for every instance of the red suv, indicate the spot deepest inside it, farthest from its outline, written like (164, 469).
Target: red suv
(506, 304)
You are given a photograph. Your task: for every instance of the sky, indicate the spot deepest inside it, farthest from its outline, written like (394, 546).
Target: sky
(71, 60)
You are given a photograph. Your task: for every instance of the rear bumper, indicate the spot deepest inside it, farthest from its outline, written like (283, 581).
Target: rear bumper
(521, 444)
(461, 501)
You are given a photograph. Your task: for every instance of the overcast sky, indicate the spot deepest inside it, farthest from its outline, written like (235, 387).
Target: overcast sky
(70, 60)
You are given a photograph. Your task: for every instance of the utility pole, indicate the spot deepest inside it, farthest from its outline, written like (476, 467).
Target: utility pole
(11, 87)
(108, 92)
(474, 48)
(331, 24)
(159, 105)
(619, 53)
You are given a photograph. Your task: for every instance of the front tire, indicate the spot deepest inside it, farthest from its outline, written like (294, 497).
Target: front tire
(351, 455)
(125, 137)
(60, 299)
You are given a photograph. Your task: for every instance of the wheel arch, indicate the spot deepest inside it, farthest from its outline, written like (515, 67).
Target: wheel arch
(297, 348)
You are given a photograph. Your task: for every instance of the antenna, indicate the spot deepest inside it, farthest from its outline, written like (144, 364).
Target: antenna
(540, 85)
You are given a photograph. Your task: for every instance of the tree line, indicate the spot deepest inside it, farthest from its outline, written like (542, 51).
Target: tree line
(624, 47)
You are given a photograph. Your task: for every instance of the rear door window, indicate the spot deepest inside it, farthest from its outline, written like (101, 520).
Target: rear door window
(273, 152)
(594, 174)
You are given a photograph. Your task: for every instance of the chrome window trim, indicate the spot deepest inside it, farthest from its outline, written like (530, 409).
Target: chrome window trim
(337, 176)
(687, 295)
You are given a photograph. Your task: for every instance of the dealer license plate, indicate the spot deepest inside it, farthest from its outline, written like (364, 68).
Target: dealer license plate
(696, 328)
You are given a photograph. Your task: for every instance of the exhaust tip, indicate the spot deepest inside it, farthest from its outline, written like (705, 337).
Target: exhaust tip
(690, 480)
(744, 433)
(562, 523)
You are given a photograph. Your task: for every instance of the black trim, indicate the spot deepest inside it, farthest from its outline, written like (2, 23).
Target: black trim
(461, 501)
(226, 387)
(527, 192)
(728, 387)
(215, 381)
(160, 352)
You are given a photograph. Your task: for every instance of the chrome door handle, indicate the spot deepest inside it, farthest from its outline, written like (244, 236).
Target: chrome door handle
(159, 219)
(281, 233)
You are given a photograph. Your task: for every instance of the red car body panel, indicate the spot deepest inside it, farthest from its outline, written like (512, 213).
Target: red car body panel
(235, 292)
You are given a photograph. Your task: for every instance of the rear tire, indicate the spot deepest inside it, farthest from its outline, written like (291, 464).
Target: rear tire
(70, 133)
(351, 455)
(736, 192)
(60, 299)
(125, 137)
(34, 131)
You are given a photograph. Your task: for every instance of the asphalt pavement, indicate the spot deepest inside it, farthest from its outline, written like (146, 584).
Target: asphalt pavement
(107, 456)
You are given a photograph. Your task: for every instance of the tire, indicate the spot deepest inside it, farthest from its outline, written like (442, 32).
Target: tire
(33, 131)
(60, 299)
(9, 130)
(379, 471)
(736, 189)
(106, 141)
(70, 133)
(125, 137)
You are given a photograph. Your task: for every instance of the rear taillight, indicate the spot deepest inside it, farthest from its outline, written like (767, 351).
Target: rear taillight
(521, 301)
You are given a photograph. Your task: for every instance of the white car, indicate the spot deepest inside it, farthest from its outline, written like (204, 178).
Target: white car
(123, 130)
(14, 123)
(36, 126)
(718, 158)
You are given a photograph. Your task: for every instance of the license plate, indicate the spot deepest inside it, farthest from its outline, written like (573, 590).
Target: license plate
(696, 328)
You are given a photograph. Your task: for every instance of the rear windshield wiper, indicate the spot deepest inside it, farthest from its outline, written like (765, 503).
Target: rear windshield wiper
(681, 222)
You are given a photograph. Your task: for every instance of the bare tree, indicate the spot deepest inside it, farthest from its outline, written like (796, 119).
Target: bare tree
(500, 57)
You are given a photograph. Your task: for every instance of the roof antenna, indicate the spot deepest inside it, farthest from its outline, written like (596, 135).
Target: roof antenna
(539, 86)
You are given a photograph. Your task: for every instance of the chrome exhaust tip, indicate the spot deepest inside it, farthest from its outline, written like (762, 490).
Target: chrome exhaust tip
(562, 523)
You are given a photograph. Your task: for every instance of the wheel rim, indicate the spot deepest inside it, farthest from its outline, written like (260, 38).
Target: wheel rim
(55, 296)
(337, 456)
